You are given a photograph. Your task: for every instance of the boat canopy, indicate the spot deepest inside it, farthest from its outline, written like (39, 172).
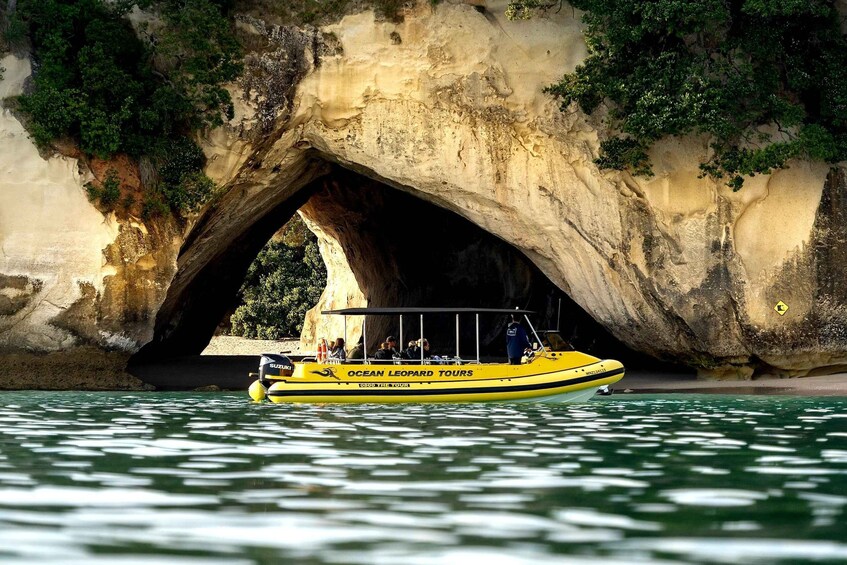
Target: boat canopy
(419, 310)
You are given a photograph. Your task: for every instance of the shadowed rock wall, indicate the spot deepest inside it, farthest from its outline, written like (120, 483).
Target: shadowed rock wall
(384, 247)
(404, 252)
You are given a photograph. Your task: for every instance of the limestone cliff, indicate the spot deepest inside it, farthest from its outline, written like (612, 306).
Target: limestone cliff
(446, 106)
(675, 265)
(74, 282)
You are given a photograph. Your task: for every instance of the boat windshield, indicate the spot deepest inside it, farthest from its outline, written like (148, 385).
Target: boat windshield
(555, 341)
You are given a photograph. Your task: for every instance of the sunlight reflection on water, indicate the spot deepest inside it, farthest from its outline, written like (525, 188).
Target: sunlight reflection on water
(210, 478)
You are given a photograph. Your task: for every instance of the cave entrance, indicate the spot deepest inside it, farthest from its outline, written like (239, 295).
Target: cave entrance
(403, 251)
(396, 249)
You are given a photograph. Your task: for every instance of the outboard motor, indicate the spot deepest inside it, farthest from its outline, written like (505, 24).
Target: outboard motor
(273, 365)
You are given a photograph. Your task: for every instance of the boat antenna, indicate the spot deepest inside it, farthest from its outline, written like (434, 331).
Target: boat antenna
(559, 315)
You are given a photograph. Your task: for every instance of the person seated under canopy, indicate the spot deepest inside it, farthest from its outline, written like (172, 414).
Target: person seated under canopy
(412, 352)
(337, 351)
(384, 353)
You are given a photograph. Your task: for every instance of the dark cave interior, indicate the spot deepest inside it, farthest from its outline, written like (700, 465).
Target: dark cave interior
(403, 251)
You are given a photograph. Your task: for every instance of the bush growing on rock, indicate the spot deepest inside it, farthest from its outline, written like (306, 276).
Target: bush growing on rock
(109, 191)
(181, 182)
(96, 82)
(766, 80)
(154, 206)
(12, 30)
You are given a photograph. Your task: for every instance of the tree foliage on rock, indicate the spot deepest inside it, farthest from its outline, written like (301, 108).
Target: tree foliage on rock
(282, 284)
(765, 79)
(318, 12)
(97, 82)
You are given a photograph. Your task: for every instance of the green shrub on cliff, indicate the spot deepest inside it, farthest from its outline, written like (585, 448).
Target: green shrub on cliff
(198, 53)
(181, 183)
(319, 12)
(96, 82)
(109, 191)
(13, 34)
(765, 80)
(285, 280)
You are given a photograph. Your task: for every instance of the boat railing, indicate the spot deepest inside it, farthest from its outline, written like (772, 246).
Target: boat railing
(401, 361)
(457, 360)
(372, 361)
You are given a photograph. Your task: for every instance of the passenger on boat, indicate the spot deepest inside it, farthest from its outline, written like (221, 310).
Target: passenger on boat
(427, 349)
(517, 341)
(412, 352)
(429, 355)
(337, 351)
(358, 351)
(392, 345)
(384, 353)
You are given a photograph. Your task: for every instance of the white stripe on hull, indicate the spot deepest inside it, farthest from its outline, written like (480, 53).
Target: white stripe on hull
(582, 395)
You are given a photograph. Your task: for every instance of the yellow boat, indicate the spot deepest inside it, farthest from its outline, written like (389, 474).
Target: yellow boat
(553, 373)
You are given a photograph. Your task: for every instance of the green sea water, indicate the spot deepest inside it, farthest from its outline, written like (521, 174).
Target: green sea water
(171, 478)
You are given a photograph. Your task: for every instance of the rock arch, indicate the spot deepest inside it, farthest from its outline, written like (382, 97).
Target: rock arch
(673, 265)
(383, 247)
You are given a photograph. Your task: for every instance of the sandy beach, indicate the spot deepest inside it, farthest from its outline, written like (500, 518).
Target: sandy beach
(233, 345)
(655, 383)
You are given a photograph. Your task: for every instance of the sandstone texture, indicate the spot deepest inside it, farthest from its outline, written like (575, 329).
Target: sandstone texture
(447, 107)
(674, 265)
(73, 280)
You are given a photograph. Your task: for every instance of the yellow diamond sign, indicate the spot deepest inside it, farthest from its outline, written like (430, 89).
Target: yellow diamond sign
(781, 308)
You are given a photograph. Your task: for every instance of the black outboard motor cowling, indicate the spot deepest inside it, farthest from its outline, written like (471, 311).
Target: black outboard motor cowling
(273, 366)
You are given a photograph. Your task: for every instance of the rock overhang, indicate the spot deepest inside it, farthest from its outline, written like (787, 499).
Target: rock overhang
(676, 266)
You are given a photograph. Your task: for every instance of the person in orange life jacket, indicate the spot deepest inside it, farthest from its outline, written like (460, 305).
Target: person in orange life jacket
(516, 341)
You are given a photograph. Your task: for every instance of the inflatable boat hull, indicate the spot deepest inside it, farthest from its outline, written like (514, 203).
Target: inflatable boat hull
(564, 377)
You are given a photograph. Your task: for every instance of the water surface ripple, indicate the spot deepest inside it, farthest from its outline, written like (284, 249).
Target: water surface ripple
(213, 478)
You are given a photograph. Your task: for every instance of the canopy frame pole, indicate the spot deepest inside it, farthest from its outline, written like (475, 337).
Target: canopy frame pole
(457, 337)
(345, 335)
(365, 338)
(477, 339)
(422, 342)
(533, 330)
(400, 345)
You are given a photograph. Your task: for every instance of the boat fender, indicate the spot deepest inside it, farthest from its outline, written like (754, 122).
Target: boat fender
(257, 391)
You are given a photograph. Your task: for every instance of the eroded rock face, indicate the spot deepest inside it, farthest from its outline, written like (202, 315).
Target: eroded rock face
(674, 265)
(71, 278)
(17, 293)
(447, 107)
